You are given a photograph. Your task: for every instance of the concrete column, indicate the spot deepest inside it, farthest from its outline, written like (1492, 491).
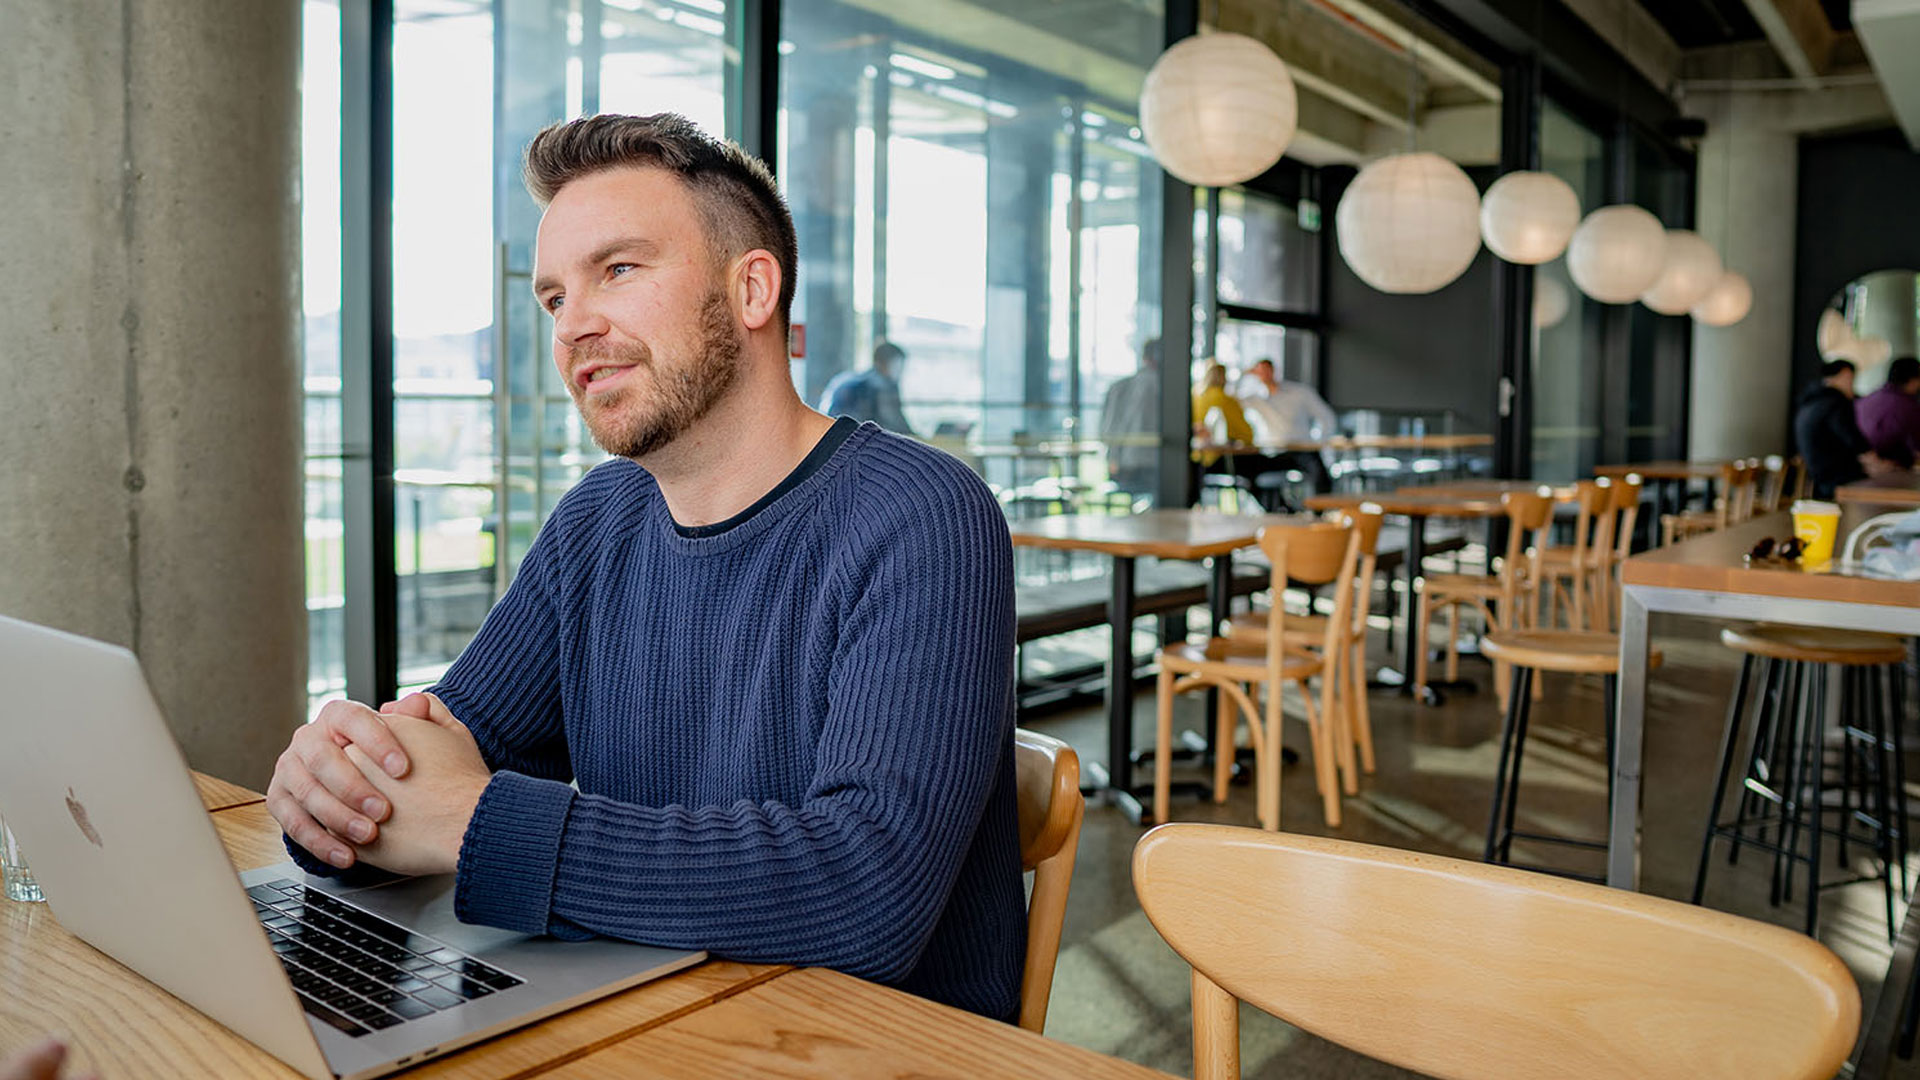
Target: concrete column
(1742, 373)
(150, 421)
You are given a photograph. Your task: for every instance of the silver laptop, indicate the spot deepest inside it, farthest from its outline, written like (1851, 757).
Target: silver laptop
(333, 981)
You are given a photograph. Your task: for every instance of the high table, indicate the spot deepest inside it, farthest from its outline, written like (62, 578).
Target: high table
(771, 1020)
(1885, 493)
(1417, 505)
(1166, 534)
(1709, 576)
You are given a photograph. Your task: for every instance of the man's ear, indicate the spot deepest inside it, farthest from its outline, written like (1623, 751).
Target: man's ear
(757, 283)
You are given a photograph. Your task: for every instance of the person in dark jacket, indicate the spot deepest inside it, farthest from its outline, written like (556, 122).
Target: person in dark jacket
(1828, 435)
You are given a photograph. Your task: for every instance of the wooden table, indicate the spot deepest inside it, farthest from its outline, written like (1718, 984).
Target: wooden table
(1884, 493)
(1417, 505)
(819, 1024)
(1166, 534)
(1669, 480)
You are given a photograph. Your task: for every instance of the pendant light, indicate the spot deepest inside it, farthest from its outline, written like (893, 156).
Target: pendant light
(1218, 108)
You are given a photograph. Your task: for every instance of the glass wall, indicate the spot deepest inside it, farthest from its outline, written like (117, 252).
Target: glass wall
(1568, 366)
(968, 183)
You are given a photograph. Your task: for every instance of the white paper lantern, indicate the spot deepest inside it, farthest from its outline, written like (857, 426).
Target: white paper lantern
(1550, 302)
(1218, 109)
(1409, 223)
(1528, 217)
(1727, 302)
(1617, 253)
(1693, 269)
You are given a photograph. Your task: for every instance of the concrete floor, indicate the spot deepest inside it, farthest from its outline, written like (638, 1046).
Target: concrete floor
(1120, 990)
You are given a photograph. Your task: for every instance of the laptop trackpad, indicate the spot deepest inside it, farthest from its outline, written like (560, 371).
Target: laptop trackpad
(425, 906)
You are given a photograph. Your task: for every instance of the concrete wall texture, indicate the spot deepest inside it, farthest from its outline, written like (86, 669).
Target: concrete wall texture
(149, 353)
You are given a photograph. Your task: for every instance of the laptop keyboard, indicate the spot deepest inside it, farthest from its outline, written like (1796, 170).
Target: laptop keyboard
(359, 972)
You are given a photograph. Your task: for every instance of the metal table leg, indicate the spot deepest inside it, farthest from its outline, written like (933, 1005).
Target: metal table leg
(1623, 832)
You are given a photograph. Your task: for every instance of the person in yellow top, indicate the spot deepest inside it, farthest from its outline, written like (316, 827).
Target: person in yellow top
(1213, 395)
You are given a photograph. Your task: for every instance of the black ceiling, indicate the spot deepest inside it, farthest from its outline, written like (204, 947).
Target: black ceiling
(1696, 23)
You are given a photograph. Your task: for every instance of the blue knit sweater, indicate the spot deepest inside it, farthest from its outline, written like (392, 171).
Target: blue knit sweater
(791, 732)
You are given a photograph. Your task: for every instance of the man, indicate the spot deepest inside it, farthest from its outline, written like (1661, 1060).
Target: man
(1291, 412)
(1130, 424)
(773, 650)
(1827, 434)
(873, 394)
(1890, 416)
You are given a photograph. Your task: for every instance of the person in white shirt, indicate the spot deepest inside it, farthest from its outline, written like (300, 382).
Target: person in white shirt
(1130, 423)
(1290, 412)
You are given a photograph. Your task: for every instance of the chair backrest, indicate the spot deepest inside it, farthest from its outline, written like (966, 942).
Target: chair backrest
(1776, 486)
(1528, 516)
(1366, 527)
(1591, 498)
(1324, 552)
(1460, 969)
(1626, 505)
(1047, 783)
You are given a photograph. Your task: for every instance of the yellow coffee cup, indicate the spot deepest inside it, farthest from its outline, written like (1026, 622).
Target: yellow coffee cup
(1817, 525)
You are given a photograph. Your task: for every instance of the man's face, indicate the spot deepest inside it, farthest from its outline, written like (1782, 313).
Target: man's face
(643, 331)
(1264, 372)
(1843, 381)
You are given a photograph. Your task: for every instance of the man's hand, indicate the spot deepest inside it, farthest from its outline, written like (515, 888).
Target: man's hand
(40, 1061)
(319, 797)
(434, 802)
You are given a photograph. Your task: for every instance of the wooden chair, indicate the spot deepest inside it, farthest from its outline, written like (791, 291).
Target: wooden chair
(1318, 554)
(1457, 969)
(1513, 589)
(1626, 512)
(1735, 503)
(1308, 631)
(1778, 485)
(1569, 575)
(1047, 779)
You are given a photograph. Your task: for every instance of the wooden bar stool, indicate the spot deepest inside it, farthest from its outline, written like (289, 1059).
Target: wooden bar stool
(1785, 785)
(1574, 652)
(1309, 631)
(1323, 553)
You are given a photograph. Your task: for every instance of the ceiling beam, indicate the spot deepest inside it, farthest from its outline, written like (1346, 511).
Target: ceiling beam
(1434, 55)
(1800, 33)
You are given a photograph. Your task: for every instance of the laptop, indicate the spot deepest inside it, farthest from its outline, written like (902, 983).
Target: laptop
(334, 981)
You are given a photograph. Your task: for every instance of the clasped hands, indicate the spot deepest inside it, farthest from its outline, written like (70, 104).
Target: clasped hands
(394, 788)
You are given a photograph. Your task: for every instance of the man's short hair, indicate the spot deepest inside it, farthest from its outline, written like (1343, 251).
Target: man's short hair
(1903, 370)
(740, 207)
(888, 355)
(1262, 362)
(1150, 352)
(1834, 367)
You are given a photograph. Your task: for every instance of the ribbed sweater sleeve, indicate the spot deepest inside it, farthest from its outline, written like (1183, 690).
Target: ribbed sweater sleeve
(901, 753)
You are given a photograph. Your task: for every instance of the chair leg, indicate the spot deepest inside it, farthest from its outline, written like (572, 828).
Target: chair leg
(1363, 713)
(1453, 642)
(1162, 741)
(1324, 770)
(1528, 676)
(1216, 1031)
(1267, 762)
(1223, 728)
(1729, 740)
(1337, 707)
(1577, 583)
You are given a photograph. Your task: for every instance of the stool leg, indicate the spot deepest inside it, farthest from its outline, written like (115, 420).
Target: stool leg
(1515, 704)
(1867, 683)
(1787, 753)
(1519, 756)
(1816, 727)
(1896, 726)
(1850, 705)
(1766, 718)
(1729, 739)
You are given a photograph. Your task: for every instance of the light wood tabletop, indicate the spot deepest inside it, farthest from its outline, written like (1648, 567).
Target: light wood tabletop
(1166, 534)
(1717, 561)
(1665, 470)
(818, 1024)
(1900, 489)
(822, 1025)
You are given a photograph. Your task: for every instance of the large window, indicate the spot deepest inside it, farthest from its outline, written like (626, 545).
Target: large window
(320, 351)
(975, 192)
(1258, 270)
(1568, 371)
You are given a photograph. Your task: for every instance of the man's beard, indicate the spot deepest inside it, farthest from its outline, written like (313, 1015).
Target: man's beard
(681, 395)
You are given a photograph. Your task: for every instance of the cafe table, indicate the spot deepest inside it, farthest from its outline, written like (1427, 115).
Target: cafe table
(1189, 534)
(1882, 494)
(1417, 505)
(1711, 576)
(1670, 479)
(773, 1020)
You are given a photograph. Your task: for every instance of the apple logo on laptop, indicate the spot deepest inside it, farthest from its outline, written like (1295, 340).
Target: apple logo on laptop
(79, 813)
